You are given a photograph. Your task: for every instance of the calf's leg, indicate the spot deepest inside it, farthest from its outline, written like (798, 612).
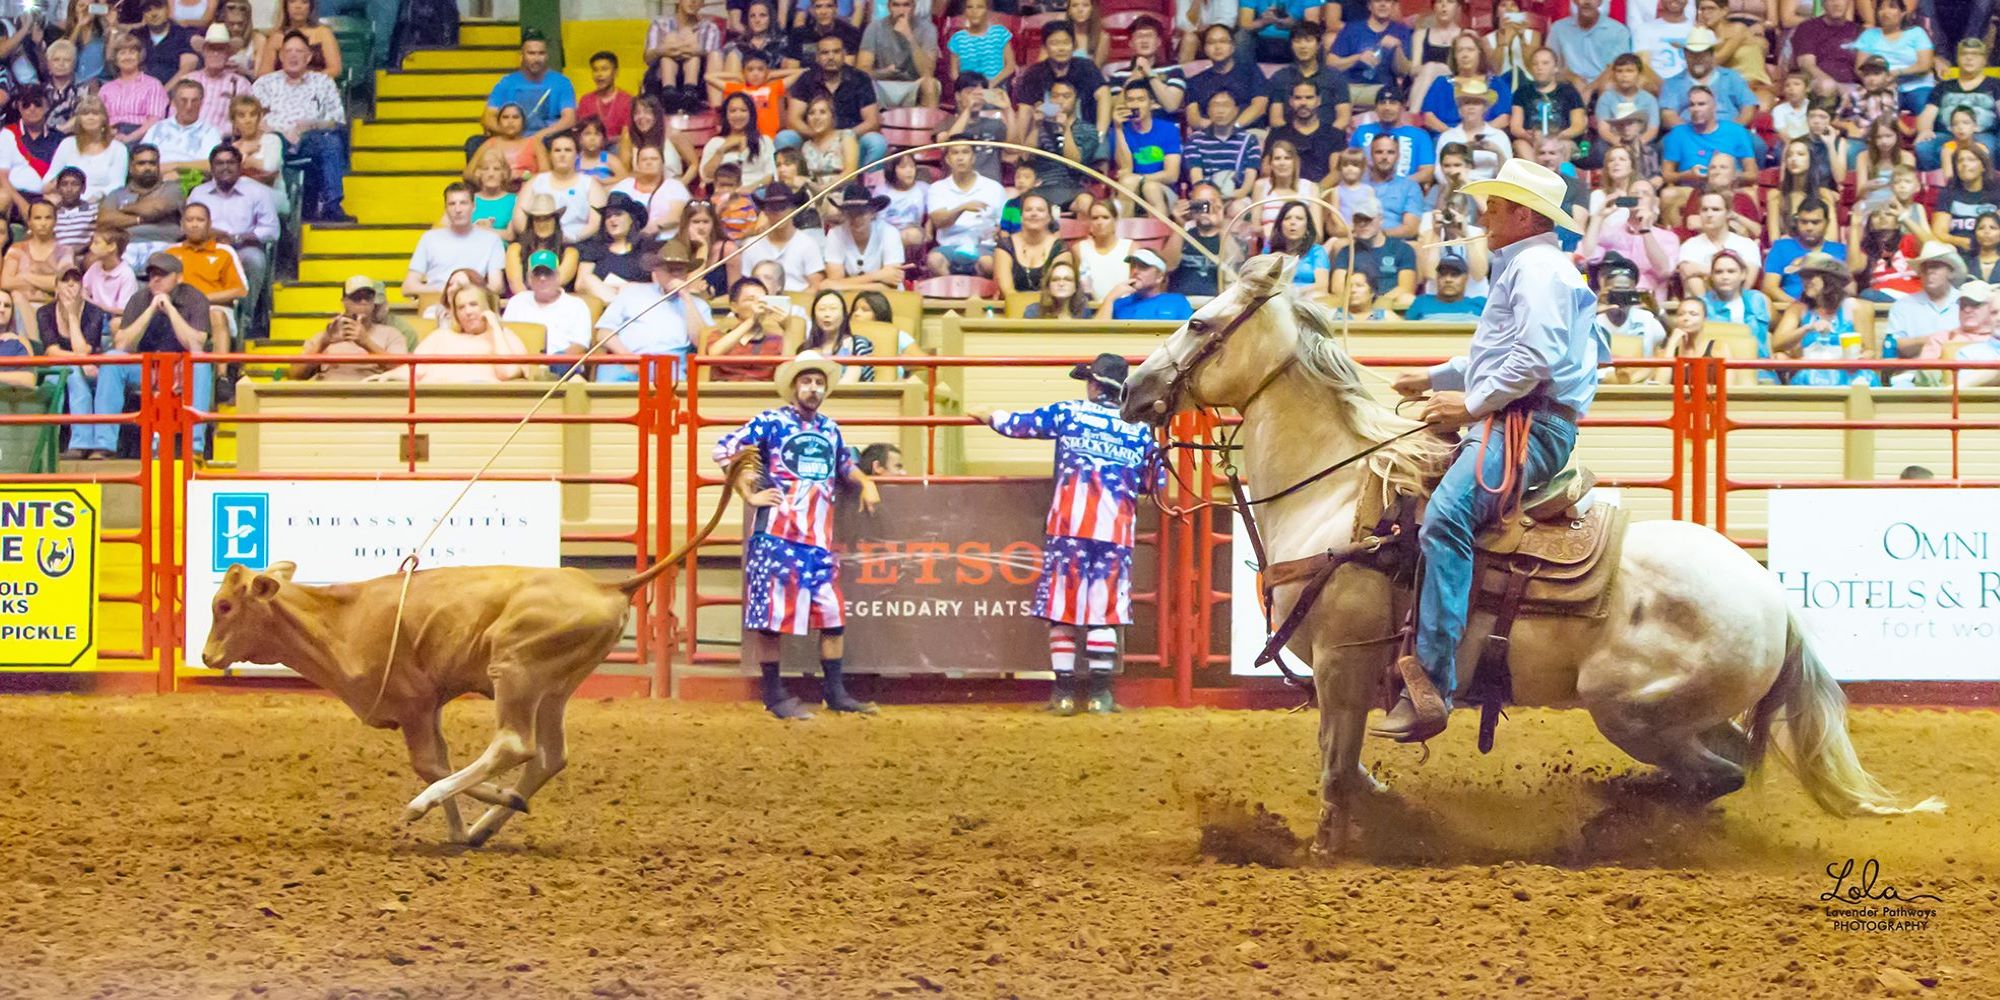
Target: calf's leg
(516, 692)
(550, 758)
(431, 757)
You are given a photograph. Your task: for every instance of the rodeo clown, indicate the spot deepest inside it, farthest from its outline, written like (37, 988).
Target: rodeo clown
(791, 580)
(1103, 465)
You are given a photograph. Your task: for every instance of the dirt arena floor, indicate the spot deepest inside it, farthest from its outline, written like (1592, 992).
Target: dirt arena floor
(251, 846)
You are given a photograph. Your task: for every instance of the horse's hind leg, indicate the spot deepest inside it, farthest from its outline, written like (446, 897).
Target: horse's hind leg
(1700, 766)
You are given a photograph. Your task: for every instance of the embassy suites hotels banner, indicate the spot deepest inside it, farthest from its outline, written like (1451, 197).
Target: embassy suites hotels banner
(1894, 584)
(345, 532)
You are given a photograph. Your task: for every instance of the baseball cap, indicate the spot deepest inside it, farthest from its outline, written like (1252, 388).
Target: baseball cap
(1366, 204)
(361, 283)
(544, 260)
(1452, 262)
(1972, 45)
(1146, 258)
(165, 263)
(1874, 64)
(1977, 292)
(1388, 93)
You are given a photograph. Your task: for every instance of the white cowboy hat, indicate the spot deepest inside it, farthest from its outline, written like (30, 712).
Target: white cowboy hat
(1940, 252)
(807, 361)
(1476, 90)
(1527, 183)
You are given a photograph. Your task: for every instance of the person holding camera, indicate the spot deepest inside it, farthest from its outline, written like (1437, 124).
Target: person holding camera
(1621, 309)
(983, 115)
(360, 330)
(1093, 95)
(1148, 151)
(1191, 272)
(1059, 129)
(759, 326)
(1638, 236)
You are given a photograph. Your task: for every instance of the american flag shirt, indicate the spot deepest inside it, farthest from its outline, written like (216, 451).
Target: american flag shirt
(1104, 463)
(804, 459)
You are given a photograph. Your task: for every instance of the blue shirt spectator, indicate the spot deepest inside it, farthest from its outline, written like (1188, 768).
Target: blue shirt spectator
(1145, 295)
(1732, 95)
(1586, 52)
(1359, 36)
(1418, 149)
(1159, 305)
(1150, 146)
(544, 96)
(1402, 200)
(1293, 10)
(1787, 251)
(1442, 100)
(1688, 149)
(1431, 307)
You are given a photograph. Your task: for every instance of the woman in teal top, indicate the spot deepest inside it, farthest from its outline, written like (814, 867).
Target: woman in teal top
(1820, 325)
(1293, 232)
(492, 203)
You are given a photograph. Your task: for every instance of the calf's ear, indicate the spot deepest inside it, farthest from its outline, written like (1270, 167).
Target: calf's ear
(265, 586)
(283, 570)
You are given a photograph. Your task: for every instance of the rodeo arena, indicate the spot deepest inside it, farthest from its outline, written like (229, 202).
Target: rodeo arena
(998, 498)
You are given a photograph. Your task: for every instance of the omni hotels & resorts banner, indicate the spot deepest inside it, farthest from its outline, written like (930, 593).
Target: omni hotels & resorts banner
(1893, 584)
(48, 576)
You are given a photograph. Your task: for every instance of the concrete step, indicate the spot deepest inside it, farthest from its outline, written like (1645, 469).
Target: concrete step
(386, 268)
(440, 133)
(446, 164)
(507, 33)
(320, 298)
(500, 58)
(372, 239)
(466, 107)
(435, 83)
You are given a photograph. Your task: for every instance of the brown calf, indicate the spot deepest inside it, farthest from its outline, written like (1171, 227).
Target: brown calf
(524, 637)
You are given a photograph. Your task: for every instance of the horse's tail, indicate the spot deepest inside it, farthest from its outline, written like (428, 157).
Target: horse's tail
(1814, 715)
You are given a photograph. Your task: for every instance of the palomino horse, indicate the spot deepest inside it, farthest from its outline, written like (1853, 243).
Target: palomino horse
(1697, 634)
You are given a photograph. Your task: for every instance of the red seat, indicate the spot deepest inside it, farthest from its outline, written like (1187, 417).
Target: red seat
(1028, 40)
(1162, 10)
(699, 128)
(1144, 231)
(928, 119)
(1071, 228)
(957, 286)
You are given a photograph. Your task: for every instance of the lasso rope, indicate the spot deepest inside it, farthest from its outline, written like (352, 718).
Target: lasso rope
(408, 567)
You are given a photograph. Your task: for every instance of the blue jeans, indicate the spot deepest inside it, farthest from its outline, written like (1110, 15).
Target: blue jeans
(873, 146)
(1930, 154)
(1458, 509)
(114, 383)
(327, 148)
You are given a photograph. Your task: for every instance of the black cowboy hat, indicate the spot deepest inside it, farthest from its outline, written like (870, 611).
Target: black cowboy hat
(1108, 370)
(857, 196)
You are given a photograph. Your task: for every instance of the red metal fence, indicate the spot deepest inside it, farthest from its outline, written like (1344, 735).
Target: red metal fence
(1187, 654)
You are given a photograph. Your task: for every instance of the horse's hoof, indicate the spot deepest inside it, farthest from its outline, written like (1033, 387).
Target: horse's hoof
(516, 802)
(414, 812)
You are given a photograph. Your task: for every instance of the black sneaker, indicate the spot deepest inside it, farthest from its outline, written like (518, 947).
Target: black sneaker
(790, 709)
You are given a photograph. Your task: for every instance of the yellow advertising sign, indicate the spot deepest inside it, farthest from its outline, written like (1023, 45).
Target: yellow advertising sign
(48, 576)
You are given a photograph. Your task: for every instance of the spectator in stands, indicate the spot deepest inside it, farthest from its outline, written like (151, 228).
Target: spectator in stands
(873, 307)
(493, 199)
(1295, 232)
(1587, 42)
(964, 210)
(1282, 181)
(1907, 50)
(1546, 106)
(1803, 175)
(981, 46)
(248, 30)
(27, 146)
(1933, 309)
(107, 280)
(1307, 66)
(184, 139)
(1389, 263)
(900, 52)
(64, 83)
(164, 316)
(866, 252)
(94, 150)
(908, 195)
(1712, 236)
(1086, 25)
(1150, 66)
(756, 31)
(1972, 90)
(301, 16)
(242, 214)
(547, 100)
(457, 244)
(1148, 149)
(470, 328)
(1315, 141)
(797, 250)
(1875, 168)
(1555, 154)
(133, 99)
(758, 326)
(1810, 222)
(212, 268)
(1223, 154)
(661, 196)
(1417, 156)
(735, 208)
(1691, 144)
(1819, 324)
(1684, 333)
(1731, 299)
(1143, 295)
(1360, 302)
(262, 154)
(72, 328)
(1512, 41)
(360, 330)
(1062, 63)
(1402, 201)
(815, 20)
(1440, 106)
(1272, 25)
(1983, 258)
(1062, 293)
(983, 113)
(1621, 311)
(32, 264)
(1969, 195)
(540, 228)
(169, 47)
(1973, 334)
(1449, 302)
(1823, 47)
(594, 156)
(1102, 255)
(306, 108)
(1733, 100)
(648, 129)
(741, 143)
(220, 82)
(880, 459)
(701, 230)
(565, 317)
(577, 195)
(1190, 271)
(606, 102)
(1490, 146)
(611, 259)
(1905, 187)
(1661, 40)
(1429, 52)
(1058, 126)
(1227, 71)
(1877, 101)
(1624, 99)
(75, 217)
(680, 45)
(1882, 256)
(1368, 50)
(830, 332)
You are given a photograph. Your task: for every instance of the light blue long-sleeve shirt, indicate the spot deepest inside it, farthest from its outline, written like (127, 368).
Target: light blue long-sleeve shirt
(1539, 328)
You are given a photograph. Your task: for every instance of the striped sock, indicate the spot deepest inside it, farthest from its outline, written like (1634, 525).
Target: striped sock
(1062, 650)
(1100, 648)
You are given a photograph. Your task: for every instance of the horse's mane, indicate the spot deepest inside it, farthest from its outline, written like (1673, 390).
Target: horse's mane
(1410, 465)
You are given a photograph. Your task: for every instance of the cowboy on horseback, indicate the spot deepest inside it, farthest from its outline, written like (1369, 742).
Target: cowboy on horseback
(1529, 376)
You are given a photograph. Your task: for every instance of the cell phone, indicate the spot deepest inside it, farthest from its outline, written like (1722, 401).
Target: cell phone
(1204, 206)
(1051, 109)
(1629, 201)
(98, 9)
(1515, 17)
(1626, 297)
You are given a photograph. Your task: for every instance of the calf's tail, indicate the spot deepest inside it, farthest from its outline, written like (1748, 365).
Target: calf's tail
(746, 462)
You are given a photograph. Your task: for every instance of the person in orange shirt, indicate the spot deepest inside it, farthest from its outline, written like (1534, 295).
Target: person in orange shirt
(766, 90)
(212, 268)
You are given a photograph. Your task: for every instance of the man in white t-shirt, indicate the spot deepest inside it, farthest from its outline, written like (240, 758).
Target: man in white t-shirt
(1659, 39)
(864, 252)
(458, 245)
(965, 210)
(795, 250)
(1713, 235)
(564, 315)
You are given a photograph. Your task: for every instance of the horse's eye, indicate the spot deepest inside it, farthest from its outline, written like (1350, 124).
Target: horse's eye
(1198, 325)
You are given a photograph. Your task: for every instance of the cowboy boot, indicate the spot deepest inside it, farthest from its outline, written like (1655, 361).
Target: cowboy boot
(1420, 712)
(1101, 702)
(1062, 700)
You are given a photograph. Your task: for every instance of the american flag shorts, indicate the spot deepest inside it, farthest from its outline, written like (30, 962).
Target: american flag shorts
(789, 588)
(1084, 582)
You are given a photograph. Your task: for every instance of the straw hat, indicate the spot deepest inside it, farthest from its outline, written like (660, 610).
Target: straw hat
(543, 205)
(1700, 40)
(807, 361)
(1476, 90)
(1527, 183)
(1820, 261)
(1940, 252)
